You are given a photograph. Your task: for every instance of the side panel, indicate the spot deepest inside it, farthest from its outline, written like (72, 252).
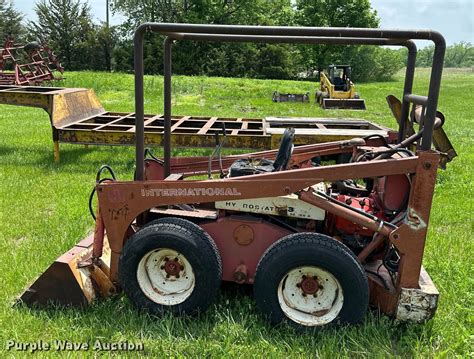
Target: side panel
(241, 241)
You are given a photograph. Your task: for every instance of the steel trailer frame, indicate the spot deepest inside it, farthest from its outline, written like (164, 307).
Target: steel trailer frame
(77, 117)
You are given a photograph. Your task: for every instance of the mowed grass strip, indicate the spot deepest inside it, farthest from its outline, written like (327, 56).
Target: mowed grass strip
(44, 213)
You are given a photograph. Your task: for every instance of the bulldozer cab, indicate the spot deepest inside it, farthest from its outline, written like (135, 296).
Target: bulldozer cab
(339, 75)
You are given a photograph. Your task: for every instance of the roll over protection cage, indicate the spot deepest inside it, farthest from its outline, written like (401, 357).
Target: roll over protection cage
(280, 34)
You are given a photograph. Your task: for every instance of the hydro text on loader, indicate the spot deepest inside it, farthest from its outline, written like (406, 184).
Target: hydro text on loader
(318, 242)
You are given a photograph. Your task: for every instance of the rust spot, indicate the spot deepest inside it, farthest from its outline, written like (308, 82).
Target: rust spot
(243, 235)
(414, 220)
(240, 274)
(320, 313)
(309, 285)
(282, 211)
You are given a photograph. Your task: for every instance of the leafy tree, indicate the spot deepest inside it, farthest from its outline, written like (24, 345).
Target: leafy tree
(457, 55)
(10, 21)
(66, 25)
(424, 56)
(261, 12)
(191, 58)
(334, 13)
(275, 62)
(122, 56)
(372, 63)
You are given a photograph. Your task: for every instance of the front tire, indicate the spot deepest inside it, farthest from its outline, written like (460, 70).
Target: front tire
(171, 265)
(311, 280)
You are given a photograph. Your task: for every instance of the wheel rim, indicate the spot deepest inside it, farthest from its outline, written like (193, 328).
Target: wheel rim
(165, 276)
(310, 296)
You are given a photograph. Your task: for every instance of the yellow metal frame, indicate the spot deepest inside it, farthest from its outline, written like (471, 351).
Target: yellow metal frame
(77, 116)
(327, 86)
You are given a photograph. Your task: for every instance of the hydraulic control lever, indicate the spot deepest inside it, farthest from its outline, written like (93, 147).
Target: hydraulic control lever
(217, 151)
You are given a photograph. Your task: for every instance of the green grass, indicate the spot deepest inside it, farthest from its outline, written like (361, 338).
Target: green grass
(44, 213)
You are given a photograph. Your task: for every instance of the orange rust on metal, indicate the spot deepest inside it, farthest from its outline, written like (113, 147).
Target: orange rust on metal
(99, 232)
(179, 122)
(410, 237)
(102, 281)
(396, 107)
(314, 199)
(64, 105)
(244, 235)
(309, 285)
(199, 164)
(240, 274)
(376, 242)
(440, 139)
(138, 197)
(207, 126)
(62, 282)
(382, 294)
(68, 281)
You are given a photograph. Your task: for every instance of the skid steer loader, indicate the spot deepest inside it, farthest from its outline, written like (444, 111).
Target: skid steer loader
(337, 91)
(318, 241)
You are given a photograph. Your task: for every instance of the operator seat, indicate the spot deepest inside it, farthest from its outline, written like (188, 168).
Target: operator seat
(339, 84)
(250, 166)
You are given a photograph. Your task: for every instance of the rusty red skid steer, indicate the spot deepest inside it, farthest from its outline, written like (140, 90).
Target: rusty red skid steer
(319, 241)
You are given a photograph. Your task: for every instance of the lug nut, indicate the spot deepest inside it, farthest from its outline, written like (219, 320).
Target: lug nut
(166, 259)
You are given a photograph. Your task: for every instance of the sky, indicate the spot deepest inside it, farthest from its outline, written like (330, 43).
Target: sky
(453, 18)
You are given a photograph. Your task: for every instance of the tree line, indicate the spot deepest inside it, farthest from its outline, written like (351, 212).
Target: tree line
(83, 44)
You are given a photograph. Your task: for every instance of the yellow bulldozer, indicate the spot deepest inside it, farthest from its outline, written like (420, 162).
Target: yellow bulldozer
(337, 91)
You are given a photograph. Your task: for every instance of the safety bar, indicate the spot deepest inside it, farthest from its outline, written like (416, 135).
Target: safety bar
(280, 34)
(416, 99)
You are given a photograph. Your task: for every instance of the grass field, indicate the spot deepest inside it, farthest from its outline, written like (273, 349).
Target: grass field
(44, 213)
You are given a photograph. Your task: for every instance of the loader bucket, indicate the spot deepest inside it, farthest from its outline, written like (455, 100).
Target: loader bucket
(343, 104)
(72, 280)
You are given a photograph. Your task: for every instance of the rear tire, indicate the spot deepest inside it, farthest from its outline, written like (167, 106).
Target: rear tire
(311, 280)
(171, 265)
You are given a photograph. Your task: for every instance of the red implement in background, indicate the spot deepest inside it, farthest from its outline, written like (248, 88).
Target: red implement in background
(28, 64)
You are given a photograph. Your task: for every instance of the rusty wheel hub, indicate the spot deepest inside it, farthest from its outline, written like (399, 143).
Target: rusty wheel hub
(303, 298)
(165, 276)
(172, 267)
(309, 285)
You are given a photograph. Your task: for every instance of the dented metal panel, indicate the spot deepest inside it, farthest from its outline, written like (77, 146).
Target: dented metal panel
(418, 304)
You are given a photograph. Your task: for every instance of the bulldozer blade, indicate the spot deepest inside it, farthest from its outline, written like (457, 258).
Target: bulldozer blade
(343, 104)
(73, 279)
